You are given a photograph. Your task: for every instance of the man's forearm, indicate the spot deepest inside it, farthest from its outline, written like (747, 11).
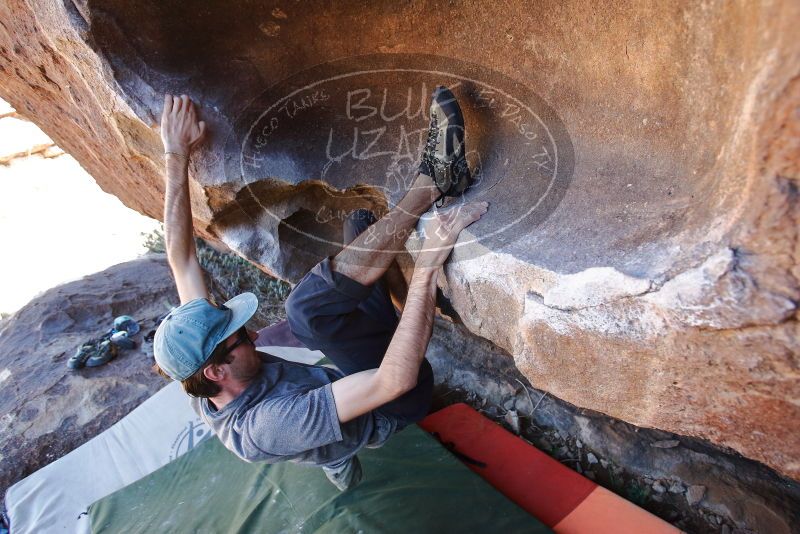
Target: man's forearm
(178, 228)
(180, 131)
(359, 393)
(400, 365)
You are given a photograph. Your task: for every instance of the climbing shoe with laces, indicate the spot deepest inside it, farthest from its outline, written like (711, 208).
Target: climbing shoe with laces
(444, 156)
(78, 360)
(104, 353)
(99, 351)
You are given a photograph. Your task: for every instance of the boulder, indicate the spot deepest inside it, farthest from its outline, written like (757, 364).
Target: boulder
(640, 256)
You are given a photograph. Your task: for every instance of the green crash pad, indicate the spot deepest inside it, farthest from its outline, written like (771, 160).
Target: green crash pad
(411, 484)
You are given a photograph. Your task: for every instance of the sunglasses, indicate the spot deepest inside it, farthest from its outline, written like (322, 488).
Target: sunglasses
(241, 337)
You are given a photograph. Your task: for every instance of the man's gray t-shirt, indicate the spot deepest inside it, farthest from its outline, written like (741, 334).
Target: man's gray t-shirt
(288, 414)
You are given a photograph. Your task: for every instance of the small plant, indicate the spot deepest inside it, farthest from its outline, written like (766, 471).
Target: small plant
(154, 241)
(638, 494)
(231, 274)
(614, 482)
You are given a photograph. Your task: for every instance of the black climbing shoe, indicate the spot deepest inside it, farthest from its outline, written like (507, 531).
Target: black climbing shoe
(101, 350)
(444, 157)
(122, 340)
(93, 354)
(78, 360)
(104, 353)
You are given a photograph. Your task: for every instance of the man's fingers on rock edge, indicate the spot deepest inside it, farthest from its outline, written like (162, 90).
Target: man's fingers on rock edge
(167, 106)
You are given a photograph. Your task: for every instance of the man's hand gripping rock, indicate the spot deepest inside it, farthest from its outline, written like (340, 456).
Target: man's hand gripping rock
(441, 232)
(180, 129)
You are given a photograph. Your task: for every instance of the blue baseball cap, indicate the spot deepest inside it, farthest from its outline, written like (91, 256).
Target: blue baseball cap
(187, 337)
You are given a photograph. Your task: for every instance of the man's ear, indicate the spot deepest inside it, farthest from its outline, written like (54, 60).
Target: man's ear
(215, 373)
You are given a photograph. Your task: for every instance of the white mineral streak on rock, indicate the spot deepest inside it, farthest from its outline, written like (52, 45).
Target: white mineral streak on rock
(575, 300)
(631, 320)
(537, 311)
(502, 270)
(718, 294)
(469, 279)
(592, 287)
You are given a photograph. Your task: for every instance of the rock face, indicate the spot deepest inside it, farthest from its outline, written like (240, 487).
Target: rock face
(48, 410)
(641, 253)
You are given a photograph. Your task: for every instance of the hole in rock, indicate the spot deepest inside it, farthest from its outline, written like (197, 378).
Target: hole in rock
(305, 240)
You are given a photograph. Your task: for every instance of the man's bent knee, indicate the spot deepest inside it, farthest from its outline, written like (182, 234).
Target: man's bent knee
(356, 222)
(300, 310)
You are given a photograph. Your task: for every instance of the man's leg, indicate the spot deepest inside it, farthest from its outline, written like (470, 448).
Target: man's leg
(391, 288)
(376, 319)
(329, 308)
(379, 305)
(444, 157)
(345, 474)
(368, 257)
(353, 323)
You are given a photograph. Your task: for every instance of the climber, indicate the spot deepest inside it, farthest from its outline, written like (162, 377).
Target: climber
(266, 409)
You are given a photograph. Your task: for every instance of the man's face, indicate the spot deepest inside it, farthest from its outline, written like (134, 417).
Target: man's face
(245, 364)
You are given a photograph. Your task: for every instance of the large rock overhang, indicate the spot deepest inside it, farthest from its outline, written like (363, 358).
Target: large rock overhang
(640, 256)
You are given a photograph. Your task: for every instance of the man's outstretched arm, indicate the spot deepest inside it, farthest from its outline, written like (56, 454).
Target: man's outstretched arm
(362, 392)
(180, 132)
